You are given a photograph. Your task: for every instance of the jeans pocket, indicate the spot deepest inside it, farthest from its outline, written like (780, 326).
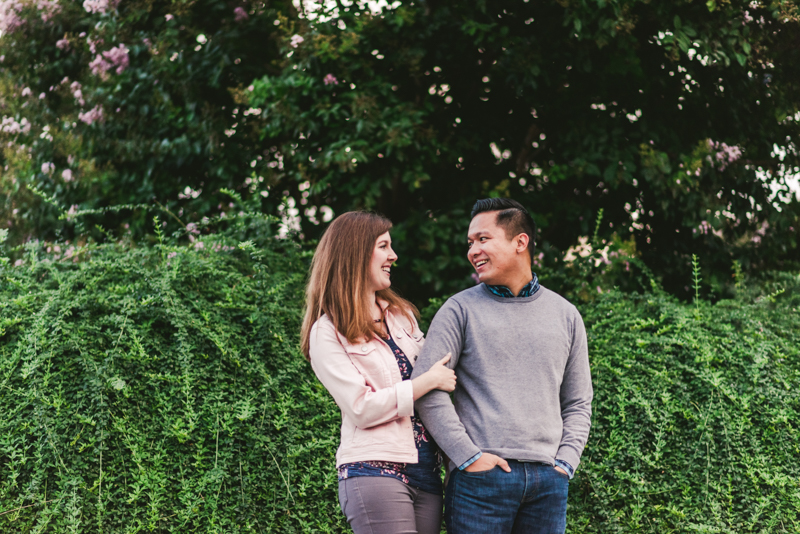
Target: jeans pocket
(562, 475)
(478, 474)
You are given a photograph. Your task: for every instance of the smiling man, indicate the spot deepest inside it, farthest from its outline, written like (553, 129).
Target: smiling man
(521, 412)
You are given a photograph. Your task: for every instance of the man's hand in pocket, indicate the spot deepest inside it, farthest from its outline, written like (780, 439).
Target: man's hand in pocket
(486, 462)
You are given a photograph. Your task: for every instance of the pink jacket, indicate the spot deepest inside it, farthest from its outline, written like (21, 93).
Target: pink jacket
(365, 382)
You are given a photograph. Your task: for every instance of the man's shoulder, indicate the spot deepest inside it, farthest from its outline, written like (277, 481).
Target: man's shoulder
(467, 297)
(557, 302)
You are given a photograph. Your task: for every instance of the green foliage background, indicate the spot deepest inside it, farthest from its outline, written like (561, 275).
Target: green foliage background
(160, 389)
(677, 118)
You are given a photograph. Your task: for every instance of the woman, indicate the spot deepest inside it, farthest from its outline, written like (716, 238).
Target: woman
(362, 340)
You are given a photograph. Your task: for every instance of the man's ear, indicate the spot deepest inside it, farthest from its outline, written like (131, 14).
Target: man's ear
(521, 243)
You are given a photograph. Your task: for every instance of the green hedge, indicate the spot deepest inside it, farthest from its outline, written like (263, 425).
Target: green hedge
(160, 389)
(697, 410)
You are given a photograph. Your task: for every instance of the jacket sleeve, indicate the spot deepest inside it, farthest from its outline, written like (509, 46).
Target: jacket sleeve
(576, 398)
(436, 409)
(356, 399)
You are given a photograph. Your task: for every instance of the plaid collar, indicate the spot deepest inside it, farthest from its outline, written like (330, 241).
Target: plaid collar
(529, 290)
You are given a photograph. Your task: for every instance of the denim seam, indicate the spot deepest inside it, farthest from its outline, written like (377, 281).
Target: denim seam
(452, 504)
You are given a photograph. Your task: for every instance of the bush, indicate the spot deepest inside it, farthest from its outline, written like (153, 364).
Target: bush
(696, 411)
(161, 389)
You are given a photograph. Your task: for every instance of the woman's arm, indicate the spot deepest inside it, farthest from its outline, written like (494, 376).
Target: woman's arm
(348, 387)
(437, 377)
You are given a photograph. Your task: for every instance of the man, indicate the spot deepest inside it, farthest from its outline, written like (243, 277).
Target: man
(521, 412)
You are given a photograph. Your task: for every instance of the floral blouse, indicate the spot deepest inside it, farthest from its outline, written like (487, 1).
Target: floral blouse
(424, 475)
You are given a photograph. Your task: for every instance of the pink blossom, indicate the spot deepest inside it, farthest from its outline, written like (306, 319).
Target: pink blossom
(9, 125)
(10, 10)
(93, 44)
(239, 14)
(47, 9)
(599, 290)
(9, 16)
(62, 44)
(725, 154)
(41, 96)
(168, 17)
(93, 115)
(296, 40)
(67, 175)
(116, 57)
(95, 6)
(100, 66)
(330, 79)
(48, 168)
(75, 87)
(26, 91)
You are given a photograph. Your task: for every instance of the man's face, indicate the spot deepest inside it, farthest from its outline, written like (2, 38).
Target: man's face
(490, 252)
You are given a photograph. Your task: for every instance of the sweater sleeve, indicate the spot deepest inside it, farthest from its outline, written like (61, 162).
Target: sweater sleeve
(576, 398)
(366, 406)
(446, 334)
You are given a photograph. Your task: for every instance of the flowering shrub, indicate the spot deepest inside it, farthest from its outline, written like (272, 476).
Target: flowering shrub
(125, 102)
(678, 120)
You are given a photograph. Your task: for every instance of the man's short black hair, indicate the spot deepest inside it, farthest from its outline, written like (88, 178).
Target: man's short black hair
(511, 217)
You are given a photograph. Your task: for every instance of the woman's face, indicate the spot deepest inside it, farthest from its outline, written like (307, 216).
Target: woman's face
(380, 265)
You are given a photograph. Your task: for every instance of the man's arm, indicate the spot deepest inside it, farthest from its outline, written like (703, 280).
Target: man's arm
(446, 334)
(576, 398)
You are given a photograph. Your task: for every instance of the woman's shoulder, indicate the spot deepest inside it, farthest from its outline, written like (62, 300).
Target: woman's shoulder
(405, 318)
(323, 324)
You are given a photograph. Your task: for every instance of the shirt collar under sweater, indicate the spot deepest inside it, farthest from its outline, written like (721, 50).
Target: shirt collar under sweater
(529, 290)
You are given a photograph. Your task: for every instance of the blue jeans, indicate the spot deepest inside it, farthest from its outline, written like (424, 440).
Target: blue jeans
(531, 499)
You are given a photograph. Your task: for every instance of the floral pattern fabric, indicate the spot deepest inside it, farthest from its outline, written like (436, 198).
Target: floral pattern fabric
(424, 475)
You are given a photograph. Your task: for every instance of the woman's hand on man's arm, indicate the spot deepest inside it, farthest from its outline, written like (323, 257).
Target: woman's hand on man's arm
(439, 376)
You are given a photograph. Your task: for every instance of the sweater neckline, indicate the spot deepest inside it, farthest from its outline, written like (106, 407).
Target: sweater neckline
(514, 300)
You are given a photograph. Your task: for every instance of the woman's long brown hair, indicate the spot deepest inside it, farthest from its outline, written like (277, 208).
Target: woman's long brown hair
(337, 286)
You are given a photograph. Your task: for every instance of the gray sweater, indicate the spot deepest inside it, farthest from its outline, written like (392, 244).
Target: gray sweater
(524, 387)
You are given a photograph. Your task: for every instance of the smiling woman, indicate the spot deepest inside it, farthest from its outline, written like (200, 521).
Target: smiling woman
(380, 268)
(362, 340)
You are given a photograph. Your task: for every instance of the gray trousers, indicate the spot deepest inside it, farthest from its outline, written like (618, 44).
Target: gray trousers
(383, 505)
